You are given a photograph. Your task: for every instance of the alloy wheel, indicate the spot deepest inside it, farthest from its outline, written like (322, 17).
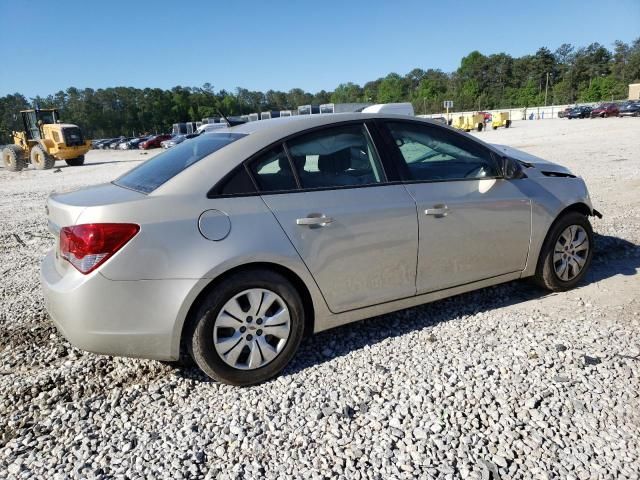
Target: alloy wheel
(251, 329)
(570, 252)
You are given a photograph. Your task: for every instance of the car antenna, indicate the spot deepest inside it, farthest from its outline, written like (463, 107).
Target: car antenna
(230, 123)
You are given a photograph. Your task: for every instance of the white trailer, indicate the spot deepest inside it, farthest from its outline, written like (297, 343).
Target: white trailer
(395, 108)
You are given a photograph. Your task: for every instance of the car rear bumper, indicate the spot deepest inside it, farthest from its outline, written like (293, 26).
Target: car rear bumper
(140, 318)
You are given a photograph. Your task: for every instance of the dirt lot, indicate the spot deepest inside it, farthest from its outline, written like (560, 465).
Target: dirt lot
(507, 382)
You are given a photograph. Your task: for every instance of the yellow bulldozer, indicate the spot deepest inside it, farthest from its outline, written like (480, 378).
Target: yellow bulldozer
(43, 141)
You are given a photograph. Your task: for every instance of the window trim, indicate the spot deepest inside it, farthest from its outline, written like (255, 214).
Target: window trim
(215, 191)
(401, 164)
(374, 138)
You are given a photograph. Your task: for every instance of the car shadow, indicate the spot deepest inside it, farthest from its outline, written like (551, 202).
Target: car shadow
(613, 256)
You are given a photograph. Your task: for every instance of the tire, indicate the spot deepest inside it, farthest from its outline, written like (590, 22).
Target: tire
(495, 128)
(41, 159)
(507, 124)
(13, 158)
(479, 128)
(206, 344)
(547, 275)
(76, 162)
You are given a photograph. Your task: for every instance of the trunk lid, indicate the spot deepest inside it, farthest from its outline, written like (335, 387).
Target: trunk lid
(64, 209)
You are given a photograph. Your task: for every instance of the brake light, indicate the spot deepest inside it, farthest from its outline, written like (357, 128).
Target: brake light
(88, 246)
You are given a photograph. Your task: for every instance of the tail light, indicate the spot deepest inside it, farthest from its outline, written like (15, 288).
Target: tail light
(88, 246)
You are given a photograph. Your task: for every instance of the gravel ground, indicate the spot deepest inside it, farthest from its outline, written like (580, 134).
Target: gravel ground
(505, 382)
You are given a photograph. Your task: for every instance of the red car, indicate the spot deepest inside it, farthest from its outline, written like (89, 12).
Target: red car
(605, 110)
(154, 142)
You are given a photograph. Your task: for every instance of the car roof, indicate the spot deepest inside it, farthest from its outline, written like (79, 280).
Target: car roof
(259, 135)
(298, 123)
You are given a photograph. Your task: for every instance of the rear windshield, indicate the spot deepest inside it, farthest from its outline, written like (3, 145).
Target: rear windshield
(161, 168)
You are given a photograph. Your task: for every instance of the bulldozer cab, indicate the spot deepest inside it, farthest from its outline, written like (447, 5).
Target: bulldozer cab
(33, 119)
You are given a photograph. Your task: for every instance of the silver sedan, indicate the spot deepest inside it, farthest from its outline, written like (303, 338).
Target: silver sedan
(228, 248)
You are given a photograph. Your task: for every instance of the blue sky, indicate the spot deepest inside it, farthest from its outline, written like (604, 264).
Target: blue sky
(279, 44)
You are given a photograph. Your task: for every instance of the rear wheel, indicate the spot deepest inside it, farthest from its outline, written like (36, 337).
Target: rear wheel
(248, 328)
(75, 162)
(566, 254)
(507, 124)
(41, 159)
(13, 158)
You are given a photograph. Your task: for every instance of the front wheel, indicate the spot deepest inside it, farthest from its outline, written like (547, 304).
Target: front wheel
(75, 162)
(566, 254)
(41, 159)
(248, 328)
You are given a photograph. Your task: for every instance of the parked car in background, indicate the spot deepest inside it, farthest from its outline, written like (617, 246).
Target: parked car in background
(630, 109)
(153, 141)
(605, 110)
(231, 246)
(581, 111)
(565, 112)
(116, 145)
(99, 143)
(108, 143)
(133, 143)
(177, 139)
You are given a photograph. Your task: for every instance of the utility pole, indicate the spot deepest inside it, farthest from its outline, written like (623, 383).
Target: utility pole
(425, 105)
(546, 90)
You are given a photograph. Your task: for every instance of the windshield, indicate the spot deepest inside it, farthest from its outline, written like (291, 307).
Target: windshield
(161, 168)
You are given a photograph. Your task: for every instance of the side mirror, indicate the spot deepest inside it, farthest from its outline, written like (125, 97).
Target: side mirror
(511, 169)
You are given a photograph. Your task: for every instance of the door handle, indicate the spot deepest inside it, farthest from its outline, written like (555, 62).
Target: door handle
(437, 211)
(314, 219)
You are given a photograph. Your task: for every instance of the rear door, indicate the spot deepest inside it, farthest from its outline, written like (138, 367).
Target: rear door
(473, 224)
(356, 233)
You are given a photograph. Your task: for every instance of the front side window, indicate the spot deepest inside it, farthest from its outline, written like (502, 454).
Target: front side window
(336, 157)
(435, 154)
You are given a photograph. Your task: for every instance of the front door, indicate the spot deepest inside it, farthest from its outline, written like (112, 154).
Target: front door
(473, 224)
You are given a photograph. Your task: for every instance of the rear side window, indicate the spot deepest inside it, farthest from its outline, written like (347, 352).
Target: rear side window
(239, 183)
(272, 171)
(153, 173)
(336, 157)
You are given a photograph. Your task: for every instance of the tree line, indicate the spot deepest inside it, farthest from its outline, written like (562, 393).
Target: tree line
(564, 76)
